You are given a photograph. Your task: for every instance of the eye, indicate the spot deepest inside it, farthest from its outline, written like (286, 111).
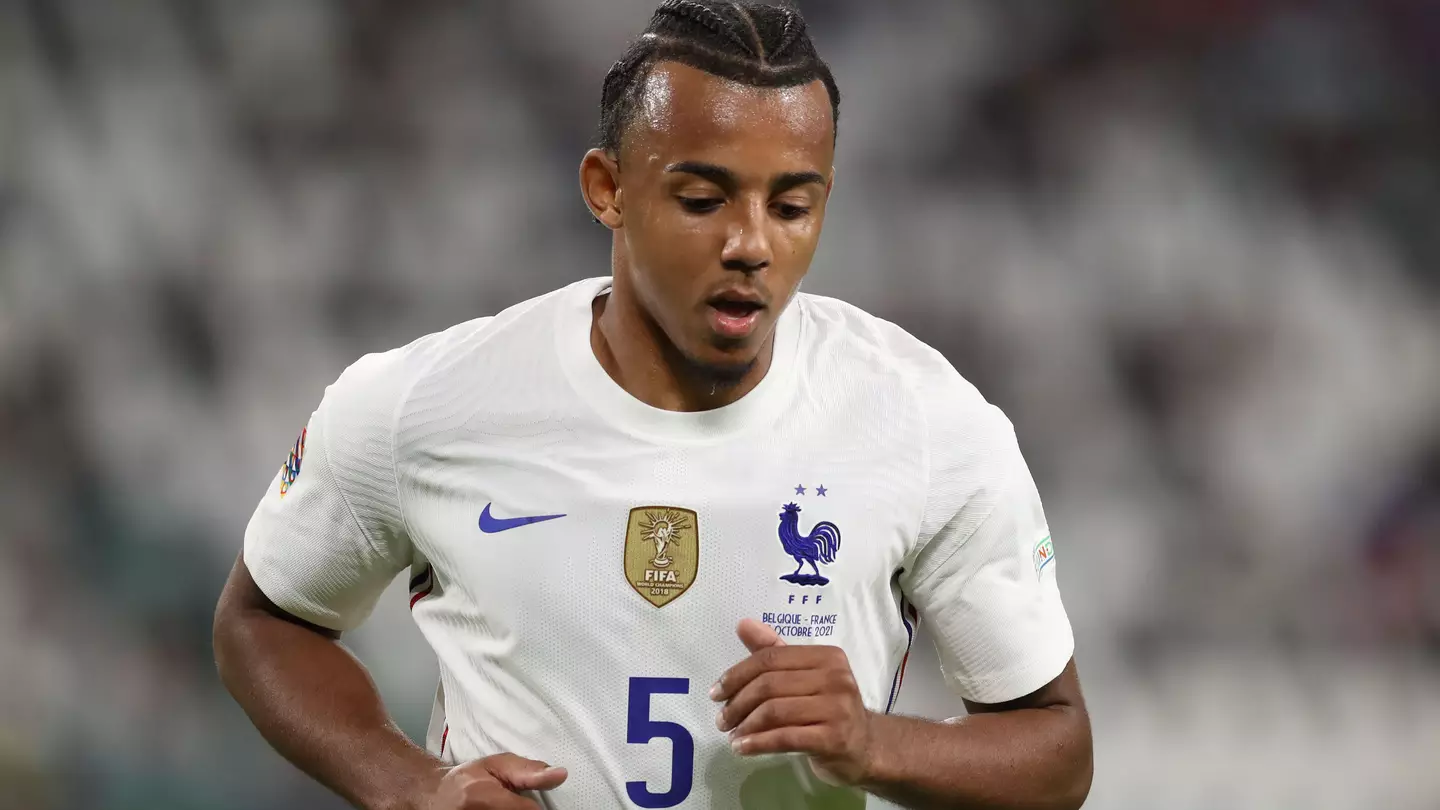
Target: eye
(700, 205)
(791, 212)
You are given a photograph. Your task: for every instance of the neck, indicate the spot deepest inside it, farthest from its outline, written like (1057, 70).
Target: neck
(639, 356)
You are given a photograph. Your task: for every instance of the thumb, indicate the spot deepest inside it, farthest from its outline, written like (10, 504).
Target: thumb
(756, 636)
(518, 773)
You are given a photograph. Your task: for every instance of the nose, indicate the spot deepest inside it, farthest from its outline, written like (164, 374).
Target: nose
(747, 245)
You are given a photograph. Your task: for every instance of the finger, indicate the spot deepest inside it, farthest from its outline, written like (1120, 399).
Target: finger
(548, 779)
(756, 636)
(772, 659)
(787, 712)
(788, 740)
(769, 686)
(518, 773)
(494, 796)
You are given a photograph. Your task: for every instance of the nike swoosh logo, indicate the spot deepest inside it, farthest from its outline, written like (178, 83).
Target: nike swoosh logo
(490, 524)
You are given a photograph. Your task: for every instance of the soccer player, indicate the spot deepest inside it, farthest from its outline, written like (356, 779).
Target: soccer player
(669, 531)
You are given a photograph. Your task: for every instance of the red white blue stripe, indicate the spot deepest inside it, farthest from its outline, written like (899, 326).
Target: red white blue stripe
(421, 585)
(911, 618)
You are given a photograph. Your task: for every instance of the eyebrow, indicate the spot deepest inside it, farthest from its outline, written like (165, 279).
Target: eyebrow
(726, 179)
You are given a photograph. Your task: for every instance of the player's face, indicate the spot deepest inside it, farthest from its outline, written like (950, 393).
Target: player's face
(723, 189)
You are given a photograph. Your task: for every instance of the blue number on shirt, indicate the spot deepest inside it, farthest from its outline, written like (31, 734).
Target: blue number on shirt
(641, 729)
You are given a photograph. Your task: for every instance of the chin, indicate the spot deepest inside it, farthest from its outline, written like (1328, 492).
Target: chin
(726, 365)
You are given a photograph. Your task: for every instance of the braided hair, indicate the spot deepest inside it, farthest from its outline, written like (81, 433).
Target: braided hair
(758, 44)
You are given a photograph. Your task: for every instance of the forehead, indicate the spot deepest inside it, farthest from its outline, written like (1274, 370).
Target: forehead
(685, 113)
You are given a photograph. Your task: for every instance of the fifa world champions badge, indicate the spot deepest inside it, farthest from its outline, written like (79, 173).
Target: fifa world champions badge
(291, 470)
(662, 552)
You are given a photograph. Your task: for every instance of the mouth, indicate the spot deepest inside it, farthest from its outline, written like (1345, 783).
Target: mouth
(735, 314)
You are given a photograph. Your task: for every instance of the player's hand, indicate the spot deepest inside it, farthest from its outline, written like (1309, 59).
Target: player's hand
(795, 699)
(492, 784)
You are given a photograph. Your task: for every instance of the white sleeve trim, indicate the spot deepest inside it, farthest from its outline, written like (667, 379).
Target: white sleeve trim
(284, 596)
(1000, 687)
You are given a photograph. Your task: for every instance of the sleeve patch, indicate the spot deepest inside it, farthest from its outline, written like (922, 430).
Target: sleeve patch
(1043, 554)
(291, 470)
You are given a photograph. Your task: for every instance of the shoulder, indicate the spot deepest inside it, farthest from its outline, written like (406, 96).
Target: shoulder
(966, 446)
(384, 383)
(843, 336)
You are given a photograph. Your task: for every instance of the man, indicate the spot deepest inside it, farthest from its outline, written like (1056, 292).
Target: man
(669, 531)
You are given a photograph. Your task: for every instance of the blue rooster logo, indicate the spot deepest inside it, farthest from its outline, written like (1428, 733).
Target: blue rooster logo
(820, 545)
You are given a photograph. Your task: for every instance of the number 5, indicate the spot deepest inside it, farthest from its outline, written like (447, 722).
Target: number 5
(640, 729)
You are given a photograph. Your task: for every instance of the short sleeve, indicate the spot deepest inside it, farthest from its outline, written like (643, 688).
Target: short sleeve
(328, 536)
(983, 579)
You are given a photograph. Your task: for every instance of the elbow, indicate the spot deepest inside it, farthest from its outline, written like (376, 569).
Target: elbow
(238, 641)
(222, 623)
(232, 634)
(1068, 765)
(222, 637)
(1069, 786)
(1078, 788)
(1079, 769)
(232, 628)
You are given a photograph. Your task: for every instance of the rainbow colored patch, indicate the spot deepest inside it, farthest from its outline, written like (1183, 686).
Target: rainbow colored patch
(291, 470)
(1044, 553)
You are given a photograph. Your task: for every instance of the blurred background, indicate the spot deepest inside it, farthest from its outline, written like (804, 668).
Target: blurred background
(1192, 247)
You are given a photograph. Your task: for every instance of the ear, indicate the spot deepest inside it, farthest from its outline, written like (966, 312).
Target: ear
(830, 184)
(600, 185)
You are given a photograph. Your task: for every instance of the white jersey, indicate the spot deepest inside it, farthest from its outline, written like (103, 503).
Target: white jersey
(579, 560)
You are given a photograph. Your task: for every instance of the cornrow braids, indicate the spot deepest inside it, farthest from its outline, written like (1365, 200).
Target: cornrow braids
(706, 16)
(755, 43)
(759, 49)
(794, 27)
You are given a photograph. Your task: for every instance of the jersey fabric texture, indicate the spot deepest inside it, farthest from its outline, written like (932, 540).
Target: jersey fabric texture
(579, 560)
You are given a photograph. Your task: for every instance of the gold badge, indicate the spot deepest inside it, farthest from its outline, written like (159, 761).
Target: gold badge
(662, 552)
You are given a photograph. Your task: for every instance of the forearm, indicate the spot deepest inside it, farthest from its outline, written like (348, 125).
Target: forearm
(316, 705)
(1035, 759)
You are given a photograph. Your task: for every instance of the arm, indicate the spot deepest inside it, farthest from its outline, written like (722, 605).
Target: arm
(313, 701)
(1034, 752)
(1031, 753)
(324, 542)
(315, 704)
(984, 581)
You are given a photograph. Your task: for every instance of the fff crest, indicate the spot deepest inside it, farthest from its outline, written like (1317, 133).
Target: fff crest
(662, 552)
(819, 545)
